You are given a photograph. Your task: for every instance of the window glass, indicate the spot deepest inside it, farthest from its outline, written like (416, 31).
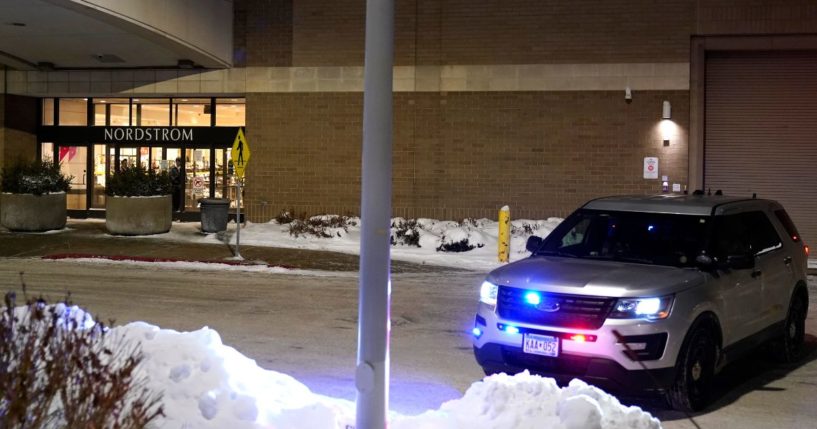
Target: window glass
(47, 151)
(191, 112)
(230, 112)
(787, 224)
(100, 115)
(152, 112)
(48, 112)
(647, 238)
(73, 163)
(576, 234)
(116, 110)
(73, 111)
(764, 238)
(731, 237)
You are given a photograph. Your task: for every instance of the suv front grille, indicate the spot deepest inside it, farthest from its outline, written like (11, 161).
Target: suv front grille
(573, 311)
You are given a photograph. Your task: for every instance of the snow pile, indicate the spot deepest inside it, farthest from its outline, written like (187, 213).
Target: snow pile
(527, 401)
(206, 384)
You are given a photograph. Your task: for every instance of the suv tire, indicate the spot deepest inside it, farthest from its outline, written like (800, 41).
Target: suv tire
(789, 348)
(696, 369)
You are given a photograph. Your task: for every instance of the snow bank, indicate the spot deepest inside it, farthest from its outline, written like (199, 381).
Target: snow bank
(207, 384)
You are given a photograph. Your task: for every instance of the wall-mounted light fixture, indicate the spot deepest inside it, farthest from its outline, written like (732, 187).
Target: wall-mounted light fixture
(666, 112)
(667, 126)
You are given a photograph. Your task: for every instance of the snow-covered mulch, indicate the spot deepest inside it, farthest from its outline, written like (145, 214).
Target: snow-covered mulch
(480, 233)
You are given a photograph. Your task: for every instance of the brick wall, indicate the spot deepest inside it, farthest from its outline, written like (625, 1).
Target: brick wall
(756, 17)
(461, 154)
(499, 32)
(263, 34)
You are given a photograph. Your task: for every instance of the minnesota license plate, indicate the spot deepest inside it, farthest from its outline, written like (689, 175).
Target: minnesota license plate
(544, 345)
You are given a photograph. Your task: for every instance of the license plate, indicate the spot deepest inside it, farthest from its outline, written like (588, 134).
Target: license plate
(544, 345)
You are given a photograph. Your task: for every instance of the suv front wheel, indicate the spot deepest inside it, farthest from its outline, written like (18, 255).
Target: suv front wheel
(696, 369)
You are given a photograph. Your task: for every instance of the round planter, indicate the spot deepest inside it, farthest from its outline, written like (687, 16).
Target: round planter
(138, 215)
(27, 212)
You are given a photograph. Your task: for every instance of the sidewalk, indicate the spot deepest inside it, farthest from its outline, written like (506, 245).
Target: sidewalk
(90, 239)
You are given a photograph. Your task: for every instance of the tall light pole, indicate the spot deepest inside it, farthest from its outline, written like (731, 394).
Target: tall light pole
(372, 373)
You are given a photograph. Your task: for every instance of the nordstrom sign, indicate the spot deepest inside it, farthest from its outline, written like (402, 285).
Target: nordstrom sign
(148, 134)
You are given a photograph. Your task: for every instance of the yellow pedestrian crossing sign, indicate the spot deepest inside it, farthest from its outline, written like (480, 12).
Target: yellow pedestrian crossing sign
(240, 153)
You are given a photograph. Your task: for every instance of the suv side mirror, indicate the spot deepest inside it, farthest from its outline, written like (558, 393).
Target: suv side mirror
(534, 243)
(740, 262)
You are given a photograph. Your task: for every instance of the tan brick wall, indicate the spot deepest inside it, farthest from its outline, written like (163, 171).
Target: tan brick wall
(756, 17)
(331, 32)
(263, 33)
(461, 154)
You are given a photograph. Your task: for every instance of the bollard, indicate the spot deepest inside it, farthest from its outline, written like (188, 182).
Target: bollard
(504, 240)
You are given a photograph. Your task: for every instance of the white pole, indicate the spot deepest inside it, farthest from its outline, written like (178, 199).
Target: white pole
(372, 374)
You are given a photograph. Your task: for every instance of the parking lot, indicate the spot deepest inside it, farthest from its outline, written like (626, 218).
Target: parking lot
(305, 326)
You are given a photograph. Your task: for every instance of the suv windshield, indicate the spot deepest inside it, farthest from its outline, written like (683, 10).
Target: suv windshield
(647, 238)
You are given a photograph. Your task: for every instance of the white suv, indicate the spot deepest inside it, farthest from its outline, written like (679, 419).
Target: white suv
(649, 293)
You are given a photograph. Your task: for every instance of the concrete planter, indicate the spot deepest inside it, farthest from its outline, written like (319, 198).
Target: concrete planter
(27, 212)
(138, 215)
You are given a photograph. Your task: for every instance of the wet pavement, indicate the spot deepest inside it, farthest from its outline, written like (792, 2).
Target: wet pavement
(84, 238)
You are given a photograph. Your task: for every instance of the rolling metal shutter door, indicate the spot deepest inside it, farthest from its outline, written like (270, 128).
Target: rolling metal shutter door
(761, 130)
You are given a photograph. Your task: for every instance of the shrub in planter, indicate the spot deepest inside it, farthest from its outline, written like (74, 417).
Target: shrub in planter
(33, 196)
(138, 202)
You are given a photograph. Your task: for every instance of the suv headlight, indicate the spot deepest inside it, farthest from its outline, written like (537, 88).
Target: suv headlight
(488, 292)
(642, 308)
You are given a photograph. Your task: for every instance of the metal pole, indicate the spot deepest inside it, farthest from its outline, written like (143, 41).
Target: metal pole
(372, 374)
(238, 219)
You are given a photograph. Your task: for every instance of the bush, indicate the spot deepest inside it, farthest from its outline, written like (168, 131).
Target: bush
(405, 232)
(35, 177)
(326, 226)
(287, 216)
(138, 182)
(56, 371)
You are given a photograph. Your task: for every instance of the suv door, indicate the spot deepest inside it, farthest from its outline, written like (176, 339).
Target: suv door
(773, 265)
(740, 288)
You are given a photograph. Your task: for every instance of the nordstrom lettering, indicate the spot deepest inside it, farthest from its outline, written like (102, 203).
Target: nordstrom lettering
(144, 134)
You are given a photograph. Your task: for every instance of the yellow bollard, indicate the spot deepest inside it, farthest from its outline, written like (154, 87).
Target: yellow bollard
(504, 234)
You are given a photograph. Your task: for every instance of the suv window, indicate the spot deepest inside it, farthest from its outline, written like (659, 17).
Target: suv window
(749, 233)
(763, 236)
(731, 237)
(647, 238)
(787, 224)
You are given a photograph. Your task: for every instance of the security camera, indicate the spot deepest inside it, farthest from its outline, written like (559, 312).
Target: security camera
(628, 94)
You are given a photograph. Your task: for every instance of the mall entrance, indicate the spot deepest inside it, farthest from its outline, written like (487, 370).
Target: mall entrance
(93, 153)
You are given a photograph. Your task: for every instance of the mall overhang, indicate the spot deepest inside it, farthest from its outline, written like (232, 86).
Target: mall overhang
(111, 34)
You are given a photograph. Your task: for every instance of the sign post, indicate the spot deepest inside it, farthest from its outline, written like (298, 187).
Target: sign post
(240, 156)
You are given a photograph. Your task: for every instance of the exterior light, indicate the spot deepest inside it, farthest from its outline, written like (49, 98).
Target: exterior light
(666, 112)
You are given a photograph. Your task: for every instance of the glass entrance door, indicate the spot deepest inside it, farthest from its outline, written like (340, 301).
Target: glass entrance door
(101, 165)
(74, 162)
(197, 177)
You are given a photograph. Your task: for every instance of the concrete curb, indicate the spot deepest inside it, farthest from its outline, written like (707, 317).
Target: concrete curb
(60, 256)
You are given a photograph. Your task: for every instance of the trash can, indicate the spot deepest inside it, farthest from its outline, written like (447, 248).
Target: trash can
(214, 214)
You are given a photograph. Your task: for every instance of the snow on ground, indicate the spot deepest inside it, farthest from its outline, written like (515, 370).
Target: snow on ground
(481, 233)
(207, 384)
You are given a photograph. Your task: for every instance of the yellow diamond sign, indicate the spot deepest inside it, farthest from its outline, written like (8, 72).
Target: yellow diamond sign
(240, 153)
